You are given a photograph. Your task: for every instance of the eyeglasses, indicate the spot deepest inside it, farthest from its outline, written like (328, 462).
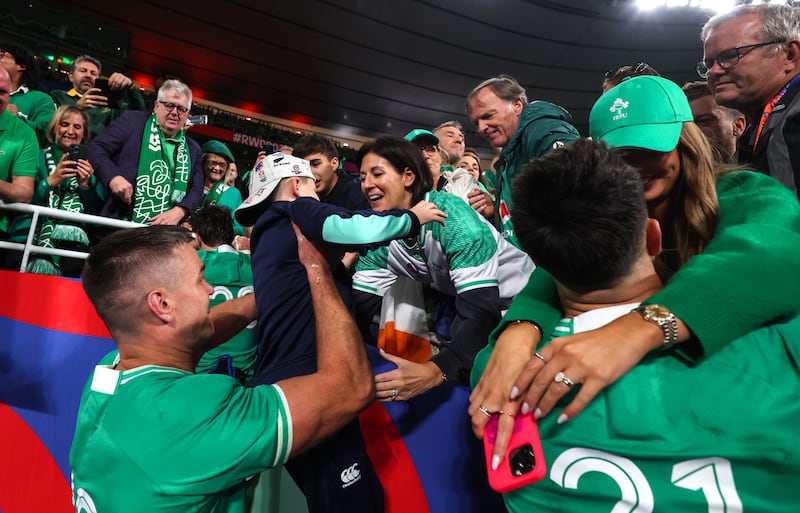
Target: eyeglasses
(429, 148)
(169, 106)
(215, 163)
(629, 68)
(729, 58)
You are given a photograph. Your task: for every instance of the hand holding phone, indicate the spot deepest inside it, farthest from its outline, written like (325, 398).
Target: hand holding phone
(523, 463)
(77, 152)
(113, 97)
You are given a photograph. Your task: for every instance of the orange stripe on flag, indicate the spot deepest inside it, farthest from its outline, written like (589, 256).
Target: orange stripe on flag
(402, 344)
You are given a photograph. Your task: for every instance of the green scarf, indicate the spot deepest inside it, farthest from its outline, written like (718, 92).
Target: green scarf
(161, 183)
(55, 232)
(214, 193)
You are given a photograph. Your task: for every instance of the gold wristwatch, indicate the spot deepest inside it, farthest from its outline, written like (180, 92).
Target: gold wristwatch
(665, 320)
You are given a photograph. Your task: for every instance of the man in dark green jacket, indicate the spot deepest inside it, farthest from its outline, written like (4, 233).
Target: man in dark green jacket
(102, 110)
(499, 109)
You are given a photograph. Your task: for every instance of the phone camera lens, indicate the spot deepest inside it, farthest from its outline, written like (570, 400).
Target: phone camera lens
(521, 460)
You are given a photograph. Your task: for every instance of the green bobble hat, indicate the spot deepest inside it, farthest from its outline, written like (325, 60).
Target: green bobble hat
(218, 148)
(422, 135)
(645, 112)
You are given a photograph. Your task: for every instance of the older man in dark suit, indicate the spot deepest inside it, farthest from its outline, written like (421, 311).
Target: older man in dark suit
(152, 172)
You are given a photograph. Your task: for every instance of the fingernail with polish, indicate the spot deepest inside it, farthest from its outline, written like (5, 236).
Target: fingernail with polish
(525, 408)
(495, 462)
(514, 393)
(562, 418)
(537, 413)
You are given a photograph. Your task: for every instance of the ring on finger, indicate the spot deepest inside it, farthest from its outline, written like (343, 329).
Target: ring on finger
(484, 411)
(394, 394)
(561, 378)
(537, 355)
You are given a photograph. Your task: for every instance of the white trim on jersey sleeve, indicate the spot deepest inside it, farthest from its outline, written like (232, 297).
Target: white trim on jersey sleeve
(285, 430)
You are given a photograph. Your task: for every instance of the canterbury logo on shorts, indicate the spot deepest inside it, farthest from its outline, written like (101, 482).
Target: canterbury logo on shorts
(350, 475)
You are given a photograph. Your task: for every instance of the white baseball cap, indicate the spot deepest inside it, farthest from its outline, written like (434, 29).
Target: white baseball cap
(264, 178)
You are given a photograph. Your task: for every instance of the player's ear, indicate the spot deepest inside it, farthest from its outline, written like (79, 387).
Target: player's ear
(157, 303)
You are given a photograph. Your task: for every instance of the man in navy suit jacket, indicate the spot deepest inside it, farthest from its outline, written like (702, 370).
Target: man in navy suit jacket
(119, 159)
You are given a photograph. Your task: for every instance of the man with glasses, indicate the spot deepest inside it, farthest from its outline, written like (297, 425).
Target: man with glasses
(152, 172)
(428, 145)
(751, 60)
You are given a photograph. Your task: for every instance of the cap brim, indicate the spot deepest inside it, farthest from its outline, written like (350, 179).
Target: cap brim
(661, 137)
(425, 138)
(251, 209)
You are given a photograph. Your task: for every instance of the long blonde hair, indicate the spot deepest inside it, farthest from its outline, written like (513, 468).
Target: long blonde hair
(695, 207)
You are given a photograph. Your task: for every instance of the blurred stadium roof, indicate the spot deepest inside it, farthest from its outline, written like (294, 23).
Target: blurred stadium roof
(366, 67)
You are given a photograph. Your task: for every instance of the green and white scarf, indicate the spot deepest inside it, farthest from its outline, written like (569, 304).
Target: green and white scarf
(54, 232)
(212, 197)
(160, 182)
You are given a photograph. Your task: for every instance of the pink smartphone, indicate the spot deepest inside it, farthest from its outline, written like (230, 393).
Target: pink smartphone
(523, 462)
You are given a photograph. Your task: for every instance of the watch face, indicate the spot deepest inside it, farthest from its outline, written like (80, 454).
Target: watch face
(657, 311)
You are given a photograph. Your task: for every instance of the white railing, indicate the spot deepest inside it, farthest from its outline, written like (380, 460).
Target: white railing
(38, 213)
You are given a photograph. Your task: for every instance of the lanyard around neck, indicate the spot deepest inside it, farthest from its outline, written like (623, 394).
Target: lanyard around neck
(770, 107)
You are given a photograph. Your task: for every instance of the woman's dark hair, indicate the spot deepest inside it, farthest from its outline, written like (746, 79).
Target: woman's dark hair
(401, 154)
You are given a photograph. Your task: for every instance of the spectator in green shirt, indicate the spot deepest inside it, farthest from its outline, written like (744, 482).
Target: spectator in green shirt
(28, 103)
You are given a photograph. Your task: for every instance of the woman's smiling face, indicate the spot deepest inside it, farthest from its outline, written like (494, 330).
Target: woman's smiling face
(659, 172)
(70, 130)
(384, 186)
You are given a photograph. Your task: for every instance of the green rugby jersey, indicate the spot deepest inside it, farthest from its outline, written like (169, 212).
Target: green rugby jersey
(464, 254)
(231, 275)
(672, 436)
(163, 439)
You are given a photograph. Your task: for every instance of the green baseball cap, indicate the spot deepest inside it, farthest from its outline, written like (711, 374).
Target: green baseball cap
(645, 112)
(218, 148)
(420, 134)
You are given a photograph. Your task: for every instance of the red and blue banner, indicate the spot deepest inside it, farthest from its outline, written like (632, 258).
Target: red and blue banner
(51, 338)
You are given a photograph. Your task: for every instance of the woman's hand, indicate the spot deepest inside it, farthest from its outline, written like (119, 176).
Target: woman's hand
(492, 394)
(512, 351)
(595, 359)
(85, 173)
(409, 379)
(427, 212)
(66, 168)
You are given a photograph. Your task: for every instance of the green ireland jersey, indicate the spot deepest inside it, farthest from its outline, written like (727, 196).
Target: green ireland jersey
(163, 439)
(231, 275)
(670, 435)
(466, 253)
